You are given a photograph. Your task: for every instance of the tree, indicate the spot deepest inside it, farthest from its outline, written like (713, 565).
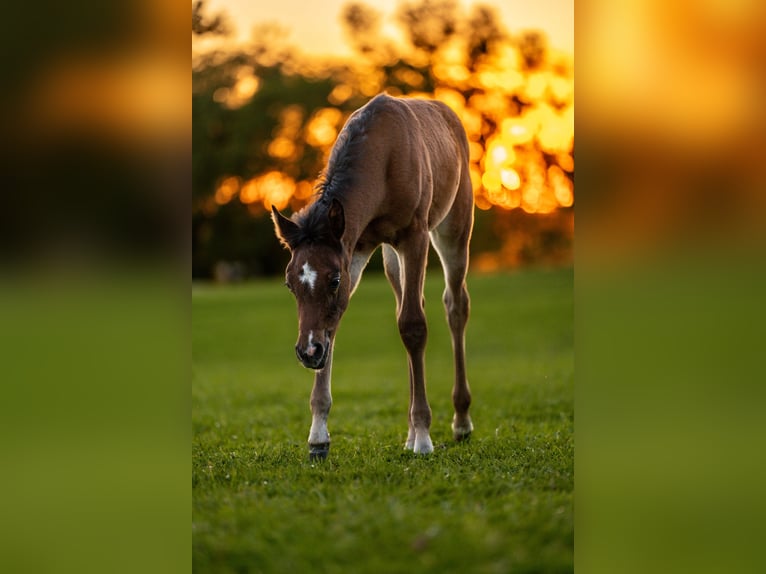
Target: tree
(483, 32)
(265, 117)
(428, 23)
(202, 24)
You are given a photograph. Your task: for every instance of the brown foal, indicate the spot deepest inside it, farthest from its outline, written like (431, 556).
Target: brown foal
(397, 176)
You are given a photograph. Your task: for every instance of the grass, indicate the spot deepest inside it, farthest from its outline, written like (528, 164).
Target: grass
(503, 502)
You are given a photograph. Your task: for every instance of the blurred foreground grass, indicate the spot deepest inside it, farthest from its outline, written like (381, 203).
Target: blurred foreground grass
(503, 502)
(93, 424)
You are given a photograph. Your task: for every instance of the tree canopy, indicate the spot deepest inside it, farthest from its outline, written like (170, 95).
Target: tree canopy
(265, 117)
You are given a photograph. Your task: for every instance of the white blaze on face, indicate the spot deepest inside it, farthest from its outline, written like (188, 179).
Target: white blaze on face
(308, 276)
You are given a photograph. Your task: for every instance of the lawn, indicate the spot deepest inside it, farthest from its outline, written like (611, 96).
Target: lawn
(502, 502)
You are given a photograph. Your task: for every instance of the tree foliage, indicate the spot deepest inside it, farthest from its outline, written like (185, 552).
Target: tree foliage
(428, 24)
(203, 24)
(265, 118)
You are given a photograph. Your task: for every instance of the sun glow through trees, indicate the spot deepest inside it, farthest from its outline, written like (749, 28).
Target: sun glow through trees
(515, 98)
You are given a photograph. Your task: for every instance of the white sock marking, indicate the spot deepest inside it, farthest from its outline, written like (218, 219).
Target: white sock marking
(308, 276)
(423, 444)
(318, 433)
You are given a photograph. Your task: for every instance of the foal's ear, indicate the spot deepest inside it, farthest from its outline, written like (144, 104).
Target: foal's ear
(337, 219)
(287, 230)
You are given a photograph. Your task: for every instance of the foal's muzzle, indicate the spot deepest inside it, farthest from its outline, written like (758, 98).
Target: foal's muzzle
(314, 356)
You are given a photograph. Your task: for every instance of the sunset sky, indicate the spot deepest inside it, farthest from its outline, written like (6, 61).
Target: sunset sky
(315, 26)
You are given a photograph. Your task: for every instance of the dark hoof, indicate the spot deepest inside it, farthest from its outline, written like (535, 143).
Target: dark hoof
(463, 437)
(319, 451)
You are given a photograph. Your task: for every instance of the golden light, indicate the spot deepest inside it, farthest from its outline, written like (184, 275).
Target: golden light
(556, 134)
(499, 153)
(491, 181)
(564, 195)
(282, 148)
(475, 151)
(410, 77)
(493, 104)
(450, 67)
(452, 52)
(321, 130)
(475, 179)
(482, 202)
(517, 122)
(504, 198)
(562, 186)
(517, 131)
(535, 86)
(227, 189)
(245, 87)
(370, 81)
(291, 119)
(513, 200)
(510, 178)
(547, 202)
(538, 115)
(566, 162)
(561, 88)
(452, 98)
(276, 189)
(472, 123)
(507, 57)
(303, 190)
(221, 95)
(270, 188)
(530, 198)
(321, 134)
(455, 74)
(340, 94)
(249, 193)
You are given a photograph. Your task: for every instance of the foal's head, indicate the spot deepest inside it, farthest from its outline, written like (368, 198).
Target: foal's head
(317, 276)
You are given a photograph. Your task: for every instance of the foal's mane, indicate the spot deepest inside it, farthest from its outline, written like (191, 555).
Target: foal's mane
(336, 180)
(338, 177)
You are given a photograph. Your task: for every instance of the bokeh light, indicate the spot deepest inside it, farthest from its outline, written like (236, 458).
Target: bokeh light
(513, 93)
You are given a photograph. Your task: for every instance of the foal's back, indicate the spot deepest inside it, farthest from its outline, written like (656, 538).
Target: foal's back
(414, 154)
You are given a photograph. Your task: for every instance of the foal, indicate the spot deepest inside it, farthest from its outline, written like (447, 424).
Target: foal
(397, 175)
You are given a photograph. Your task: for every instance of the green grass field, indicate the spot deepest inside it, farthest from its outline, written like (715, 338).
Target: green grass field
(502, 502)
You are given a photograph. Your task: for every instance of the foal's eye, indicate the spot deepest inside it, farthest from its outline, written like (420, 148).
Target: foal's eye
(335, 282)
(290, 287)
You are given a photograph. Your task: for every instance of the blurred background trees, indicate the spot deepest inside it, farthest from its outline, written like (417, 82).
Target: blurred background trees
(265, 118)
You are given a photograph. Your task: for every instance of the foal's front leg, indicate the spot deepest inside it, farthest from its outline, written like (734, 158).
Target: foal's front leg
(321, 401)
(321, 397)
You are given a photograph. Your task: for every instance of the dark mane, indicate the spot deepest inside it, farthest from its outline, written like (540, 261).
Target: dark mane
(314, 224)
(337, 178)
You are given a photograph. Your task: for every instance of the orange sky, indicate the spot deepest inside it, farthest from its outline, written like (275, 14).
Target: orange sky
(315, 26)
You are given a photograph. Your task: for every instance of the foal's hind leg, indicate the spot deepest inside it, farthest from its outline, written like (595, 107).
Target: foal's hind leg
(393, 271)
(413, 329)
(453, 253)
